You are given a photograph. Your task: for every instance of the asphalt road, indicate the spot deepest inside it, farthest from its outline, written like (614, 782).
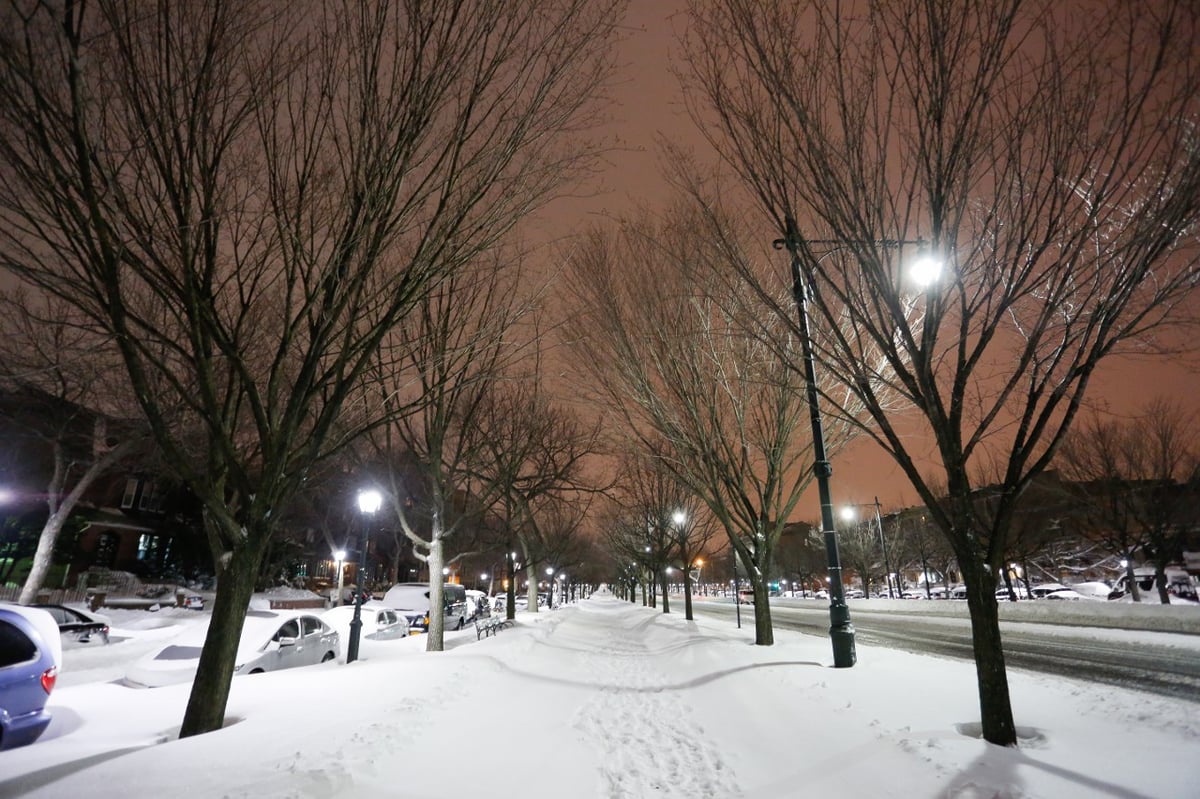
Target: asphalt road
(1158, 669)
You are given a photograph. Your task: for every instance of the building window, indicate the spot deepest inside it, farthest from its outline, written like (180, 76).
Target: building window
(106, 550)
(151, 498)
(131, 488)
(147, 547)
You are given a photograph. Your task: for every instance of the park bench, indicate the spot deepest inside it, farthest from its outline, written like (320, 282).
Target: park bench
(489, 625)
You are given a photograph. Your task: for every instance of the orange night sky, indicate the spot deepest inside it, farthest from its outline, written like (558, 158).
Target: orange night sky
(648, 104)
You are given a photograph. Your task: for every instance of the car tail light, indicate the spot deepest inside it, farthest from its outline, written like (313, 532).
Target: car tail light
(49, 677)
(104, 629)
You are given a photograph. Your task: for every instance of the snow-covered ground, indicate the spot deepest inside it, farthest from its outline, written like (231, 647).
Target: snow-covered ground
(602, 699)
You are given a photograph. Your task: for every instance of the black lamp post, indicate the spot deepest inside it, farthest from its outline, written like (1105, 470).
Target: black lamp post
(841, 631)
(368, 502)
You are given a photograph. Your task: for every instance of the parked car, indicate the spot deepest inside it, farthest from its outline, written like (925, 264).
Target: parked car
(1092, 590)
(270, 641)
(1064, 593)
(379, 622)
(30, 655)
(1018, 589)
(477, 604)
(78, 627)
(412, 599)
(500, 603)
(1041, 590)
(1179, 583)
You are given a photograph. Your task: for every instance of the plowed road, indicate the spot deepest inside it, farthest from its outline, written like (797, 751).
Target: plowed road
(1162, 663)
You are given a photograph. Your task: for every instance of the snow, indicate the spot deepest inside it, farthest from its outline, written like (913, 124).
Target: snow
(600, 699)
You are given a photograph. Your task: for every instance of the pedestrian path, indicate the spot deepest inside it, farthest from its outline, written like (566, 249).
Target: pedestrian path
(651, 743)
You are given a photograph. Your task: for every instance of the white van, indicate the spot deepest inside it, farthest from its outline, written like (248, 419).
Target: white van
(412, 599)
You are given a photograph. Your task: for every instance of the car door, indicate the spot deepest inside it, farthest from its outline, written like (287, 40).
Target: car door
(379, 628)
(310, 645)
(280, 656)
(387, 626)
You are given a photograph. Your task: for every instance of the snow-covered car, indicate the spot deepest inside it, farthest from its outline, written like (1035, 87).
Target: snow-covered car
(1064, 593)
(412, 600)
(379, 622)
(270, 641)
(1092, 590)
(1040, 590)
(78, 627)
(477, 604)
(1002, 594)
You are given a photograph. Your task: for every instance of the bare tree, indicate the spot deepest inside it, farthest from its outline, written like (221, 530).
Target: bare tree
(531, 456)
(57, 376)
(1138, 480)
(665, 525)
(859, 544)
(669, 350)
(1054, 167)
(248, 196)
(432, 380)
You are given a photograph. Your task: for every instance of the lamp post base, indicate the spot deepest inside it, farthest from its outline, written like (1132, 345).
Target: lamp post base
(841, 634)
(355, 627)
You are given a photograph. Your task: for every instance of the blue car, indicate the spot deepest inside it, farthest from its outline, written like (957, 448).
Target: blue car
(30, 653)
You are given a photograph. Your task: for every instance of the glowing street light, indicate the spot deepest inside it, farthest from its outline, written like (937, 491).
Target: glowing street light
(369, 501)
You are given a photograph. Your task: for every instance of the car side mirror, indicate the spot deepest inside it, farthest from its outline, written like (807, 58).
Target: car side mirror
(287, 642)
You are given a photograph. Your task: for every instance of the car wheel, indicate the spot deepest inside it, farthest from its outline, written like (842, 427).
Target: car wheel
(328, 657)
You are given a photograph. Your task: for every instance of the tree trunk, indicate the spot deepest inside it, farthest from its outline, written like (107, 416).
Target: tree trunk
(662, 579)
(531, 589)
(435, 639)
(61, 506)
(687, 594)
(1131, 578)
(1160, 582)
(43, 557)
(764, 633)
(1012, 595)
(210, 690)
(995, 706)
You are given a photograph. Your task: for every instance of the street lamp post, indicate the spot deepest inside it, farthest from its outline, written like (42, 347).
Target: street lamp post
(841, 630)
(368, 502)
(925, 271)
(549, 588)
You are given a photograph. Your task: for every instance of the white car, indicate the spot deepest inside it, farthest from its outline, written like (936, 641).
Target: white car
(270, 641)
(379, 622)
